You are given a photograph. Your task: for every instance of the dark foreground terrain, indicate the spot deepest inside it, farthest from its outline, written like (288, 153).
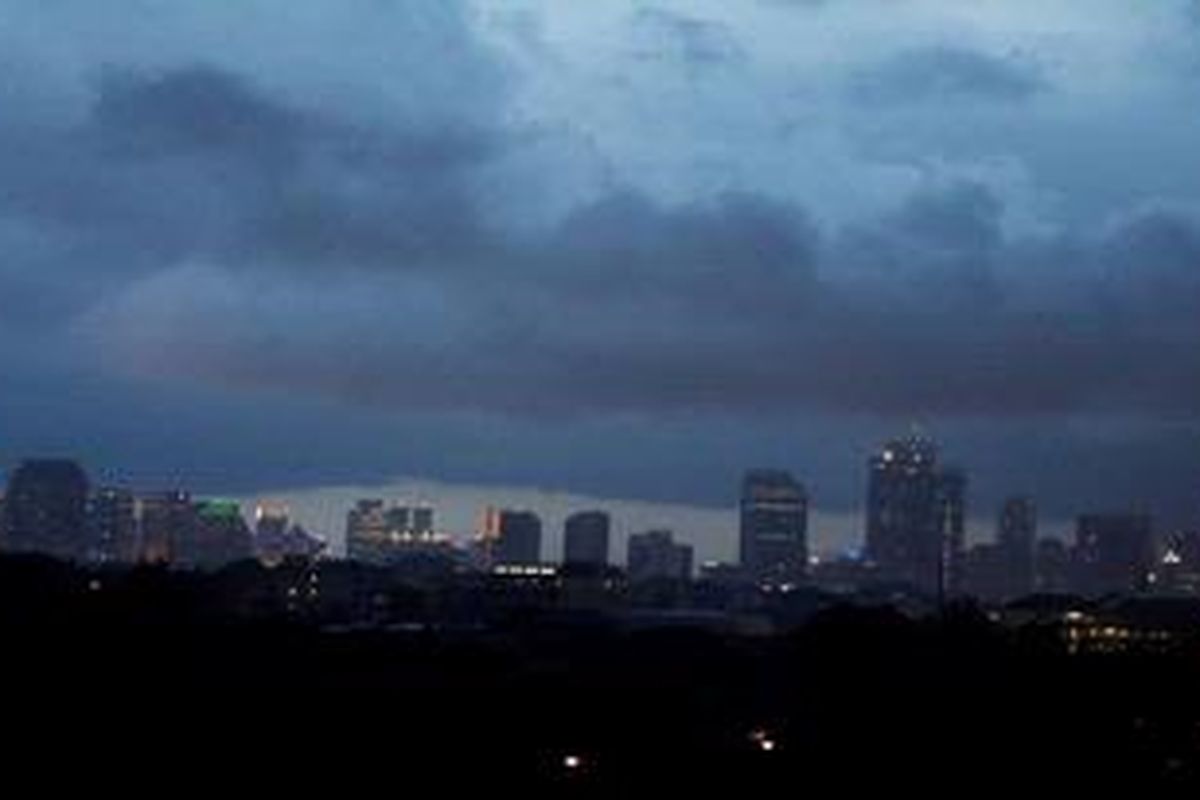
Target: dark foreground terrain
(137, 691)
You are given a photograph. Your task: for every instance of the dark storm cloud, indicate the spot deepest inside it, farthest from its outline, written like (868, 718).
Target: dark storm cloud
(195, 109)
(185, 183)
(734, 306)
(946, 72)
(939, 246)
(323, 188)
(243, 250)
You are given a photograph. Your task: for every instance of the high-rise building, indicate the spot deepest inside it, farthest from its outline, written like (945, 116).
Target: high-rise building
(114, 526)
(421, 517)
(774, 526)
(519, 539)
(585, 538)
(166, 520)
(46, 509)
(1016, 534)
(366, 531)
(654, 555)
(915, 516)
(1113, 553)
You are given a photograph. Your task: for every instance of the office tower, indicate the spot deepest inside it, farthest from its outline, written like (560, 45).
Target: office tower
(114, 526)
(421, 519)
(45, 509)
(916, 515)
(654, 555)
(397, 520)
(366, 531)
(774, 526)
(167, 520)
(585, 538)
(952, 515)
(1016, 534)
(520, 538)
(1113, 553)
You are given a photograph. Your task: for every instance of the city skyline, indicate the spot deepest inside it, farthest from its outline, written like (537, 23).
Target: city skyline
(610, 398)
(718, 535)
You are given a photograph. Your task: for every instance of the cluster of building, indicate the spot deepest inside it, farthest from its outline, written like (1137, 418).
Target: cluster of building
(50, 507)
(915, 537)
(509, 542)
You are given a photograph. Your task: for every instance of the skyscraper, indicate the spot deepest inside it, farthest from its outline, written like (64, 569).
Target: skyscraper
(167, 520)
(915, 516)
(46, 508)
(774, 526)
(114, 526)
(520, 538)
(1016, 535)
(366, 531)
(585, 538)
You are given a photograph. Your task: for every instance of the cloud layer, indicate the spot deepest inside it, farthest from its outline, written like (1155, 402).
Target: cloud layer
(610, 235)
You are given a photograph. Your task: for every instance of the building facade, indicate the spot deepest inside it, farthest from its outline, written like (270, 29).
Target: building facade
(773, 539)
(46, 510)
(585, 539)
(654, 555)
(114, 526)
(519, 538)
(916, 517)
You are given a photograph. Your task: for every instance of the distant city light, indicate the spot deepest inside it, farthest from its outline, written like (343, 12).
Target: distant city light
(572, 762)
(763, 740)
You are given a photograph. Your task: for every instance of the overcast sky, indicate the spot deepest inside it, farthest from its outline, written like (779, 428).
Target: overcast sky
(625, 249)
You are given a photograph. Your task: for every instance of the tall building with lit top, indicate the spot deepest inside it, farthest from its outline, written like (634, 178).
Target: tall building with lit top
(46, 509)
(585, 538)
(916, 516)
(773, 539)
